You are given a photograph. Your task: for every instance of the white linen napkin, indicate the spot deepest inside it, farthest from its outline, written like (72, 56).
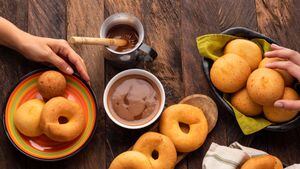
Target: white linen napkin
(222, 157)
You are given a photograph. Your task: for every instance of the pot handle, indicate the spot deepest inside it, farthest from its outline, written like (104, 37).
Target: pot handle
(151, 54)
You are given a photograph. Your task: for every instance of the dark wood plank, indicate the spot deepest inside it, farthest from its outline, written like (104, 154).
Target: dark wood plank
(198, 18)
(84, 19)
(204, 17)
(280, 21)
(11, 69)
(118, 138)
(47, 18)
(162, 23)
(161, 20)
(162, 26)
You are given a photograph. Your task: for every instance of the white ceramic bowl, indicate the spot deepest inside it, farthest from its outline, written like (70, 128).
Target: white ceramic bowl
(140, 72)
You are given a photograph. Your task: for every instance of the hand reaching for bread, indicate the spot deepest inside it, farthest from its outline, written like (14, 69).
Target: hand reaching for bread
(291, 63)
(46, 50)
(54, 51)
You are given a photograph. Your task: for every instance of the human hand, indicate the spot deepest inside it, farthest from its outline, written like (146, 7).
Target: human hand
(291, 64)
(54, 51)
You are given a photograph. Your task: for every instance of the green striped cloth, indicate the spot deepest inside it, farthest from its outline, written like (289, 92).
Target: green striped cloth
(211, 46)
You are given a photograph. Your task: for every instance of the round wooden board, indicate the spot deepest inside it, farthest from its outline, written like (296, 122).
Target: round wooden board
(207, 105)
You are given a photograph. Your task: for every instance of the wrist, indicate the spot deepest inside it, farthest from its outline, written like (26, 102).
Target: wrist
(21, 41)
(11, 36)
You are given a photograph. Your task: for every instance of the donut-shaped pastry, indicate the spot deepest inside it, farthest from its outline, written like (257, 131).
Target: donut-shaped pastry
(27, 117)
(51, 84)
(185, 125)
(207, 105)
(263, 162)
(62, 120)
(159, 149)
(132, 160)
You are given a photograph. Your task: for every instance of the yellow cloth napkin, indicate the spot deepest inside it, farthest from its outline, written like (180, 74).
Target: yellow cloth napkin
(211, 46)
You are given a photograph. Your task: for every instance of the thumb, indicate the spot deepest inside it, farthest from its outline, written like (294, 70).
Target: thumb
(288, 104)
(60, 64)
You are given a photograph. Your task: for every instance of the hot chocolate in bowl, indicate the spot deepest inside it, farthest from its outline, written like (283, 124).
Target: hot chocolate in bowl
(134, 98)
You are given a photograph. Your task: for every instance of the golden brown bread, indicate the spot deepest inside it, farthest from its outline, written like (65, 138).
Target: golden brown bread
(243, 103)
(131, 160)
(279, 115)
(229, 73)
(207, 105)
(192, 117)
(265, 86)
(151, 143)
(263, 162)
(246, 49)
(288, 79)
(27, 117)
(51, 84)
(62, 120)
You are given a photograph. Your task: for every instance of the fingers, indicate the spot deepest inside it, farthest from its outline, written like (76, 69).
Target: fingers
(60, 63)
(284, 53)
(78, 62)
(276, 47)
(289, 66)
(288, 104)
(64, 50)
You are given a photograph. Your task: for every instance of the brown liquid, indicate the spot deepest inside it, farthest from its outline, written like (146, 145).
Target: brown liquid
(134, 100)
(123, 32)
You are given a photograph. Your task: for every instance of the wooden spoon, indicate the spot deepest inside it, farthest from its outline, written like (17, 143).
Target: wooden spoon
(97, 41)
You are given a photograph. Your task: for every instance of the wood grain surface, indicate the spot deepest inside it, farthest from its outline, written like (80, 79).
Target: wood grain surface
(171, 28)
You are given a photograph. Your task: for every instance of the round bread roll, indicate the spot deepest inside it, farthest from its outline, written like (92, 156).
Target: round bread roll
(243, 103)
(288, 79)
(279, 115)
(51, 84)
(229, 73)
(131, 160)
(207, 105)
(246, 49)
(265, 86)
(27, 117)
(185, 140)
(158, 148)
(263, 162)
(62, 120)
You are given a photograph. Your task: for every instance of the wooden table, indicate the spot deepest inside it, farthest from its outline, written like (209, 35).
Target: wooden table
(171, 28)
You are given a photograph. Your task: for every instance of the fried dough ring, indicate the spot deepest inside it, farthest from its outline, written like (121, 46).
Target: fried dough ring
(155, 144)
(188, 115)
(132, 160)
(50, 119)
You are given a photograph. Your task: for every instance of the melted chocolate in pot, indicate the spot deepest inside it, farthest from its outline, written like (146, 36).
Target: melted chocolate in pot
(123, 32)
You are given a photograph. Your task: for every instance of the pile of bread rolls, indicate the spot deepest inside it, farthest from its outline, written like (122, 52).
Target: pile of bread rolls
(241, 72)
(60, 119)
